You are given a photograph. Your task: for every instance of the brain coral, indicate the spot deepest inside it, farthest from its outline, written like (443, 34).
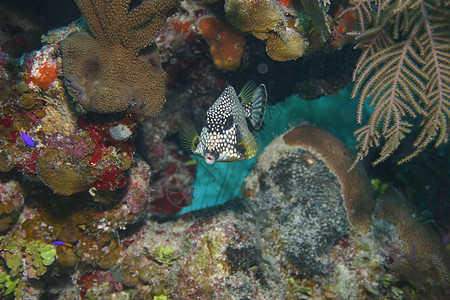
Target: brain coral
(356, 187)
(296, 177)
(111, 72)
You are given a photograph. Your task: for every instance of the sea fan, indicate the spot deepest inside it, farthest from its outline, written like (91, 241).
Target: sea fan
(404, 68)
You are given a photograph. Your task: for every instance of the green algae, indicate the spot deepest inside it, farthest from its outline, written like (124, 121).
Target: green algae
(24, 260)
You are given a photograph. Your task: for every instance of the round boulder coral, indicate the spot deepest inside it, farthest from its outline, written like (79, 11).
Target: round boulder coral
(107, 78)
(254, 16)
(288, 45)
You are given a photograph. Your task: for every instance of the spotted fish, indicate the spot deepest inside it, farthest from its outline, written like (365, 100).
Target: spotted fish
(226, 135)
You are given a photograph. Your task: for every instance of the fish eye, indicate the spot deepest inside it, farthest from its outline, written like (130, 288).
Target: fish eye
(218, 37)
(228, 123)
(237, 46)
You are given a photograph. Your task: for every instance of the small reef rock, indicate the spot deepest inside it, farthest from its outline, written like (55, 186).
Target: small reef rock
(12, 197)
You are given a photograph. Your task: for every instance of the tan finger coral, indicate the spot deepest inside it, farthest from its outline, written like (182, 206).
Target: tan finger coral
(111, 72)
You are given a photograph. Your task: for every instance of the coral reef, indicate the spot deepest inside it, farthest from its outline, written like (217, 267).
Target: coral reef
(87, 199)
(428, 274)
(42, 135)
(112, 72)
(355, 184)
(40, 132)
(420, 239)
(226, 45)
(425, 261)
(344, 25)
(92, 229)
(217, 184)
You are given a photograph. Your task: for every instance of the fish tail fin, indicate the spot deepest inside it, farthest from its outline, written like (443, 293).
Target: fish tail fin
(254, 100)
(188, 136)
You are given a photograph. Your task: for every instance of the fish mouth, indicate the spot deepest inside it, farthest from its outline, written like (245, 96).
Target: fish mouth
(210, 158)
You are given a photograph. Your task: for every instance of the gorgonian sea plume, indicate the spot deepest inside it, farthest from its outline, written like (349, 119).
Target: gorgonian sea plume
(404, 69)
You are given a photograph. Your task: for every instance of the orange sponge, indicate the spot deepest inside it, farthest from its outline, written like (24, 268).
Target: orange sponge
(226, 45)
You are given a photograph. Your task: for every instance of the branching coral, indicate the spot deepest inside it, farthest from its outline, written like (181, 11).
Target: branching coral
(404, 67)
(111, 72)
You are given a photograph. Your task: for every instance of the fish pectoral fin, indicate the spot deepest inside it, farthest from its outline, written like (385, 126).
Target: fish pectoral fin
(248, 147)
(254, 100)
(189, 136)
